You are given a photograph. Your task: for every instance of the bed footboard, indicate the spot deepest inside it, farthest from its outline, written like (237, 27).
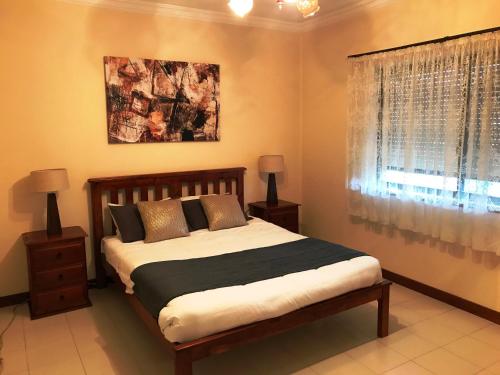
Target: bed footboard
(383, 312)
(187, 353)
(183, 364)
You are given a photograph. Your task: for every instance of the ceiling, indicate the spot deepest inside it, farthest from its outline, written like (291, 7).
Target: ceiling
(265, 14)
(268, 8)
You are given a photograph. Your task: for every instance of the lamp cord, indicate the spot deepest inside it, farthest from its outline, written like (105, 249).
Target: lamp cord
(9, 324)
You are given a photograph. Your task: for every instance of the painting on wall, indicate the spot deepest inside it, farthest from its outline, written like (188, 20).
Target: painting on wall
(161, 101)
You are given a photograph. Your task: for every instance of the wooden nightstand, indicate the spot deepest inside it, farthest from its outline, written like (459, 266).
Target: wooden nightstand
(57, 269)
(285, 214)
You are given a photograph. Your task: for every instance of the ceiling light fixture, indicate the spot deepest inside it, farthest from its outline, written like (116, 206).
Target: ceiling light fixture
(241, 7)
(285, 2)
(308, 8)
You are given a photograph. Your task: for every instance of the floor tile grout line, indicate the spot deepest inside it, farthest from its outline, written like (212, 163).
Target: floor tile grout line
(25, 342)
(401, 364)
(473, 338)
(410, 324)
(452, 307)
(74, 342)
(449, 326)
(438, 346)
(480, 329)
(484, 327)
(410, 361)
(392, 368)
(365, 366)
(422, 354)
(491, 365)
(312, 370)
(465, 359)
(429, 317)
(450, 352)
(443, 347)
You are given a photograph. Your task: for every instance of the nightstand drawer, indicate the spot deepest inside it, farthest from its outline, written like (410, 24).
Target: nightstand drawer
(284, 219)
(286, 222)
(57, 271)
(284, 214)
(58, 278)
(60, 299)
(55, 257)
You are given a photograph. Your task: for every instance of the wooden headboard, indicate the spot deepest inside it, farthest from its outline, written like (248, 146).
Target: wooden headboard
(130, 189)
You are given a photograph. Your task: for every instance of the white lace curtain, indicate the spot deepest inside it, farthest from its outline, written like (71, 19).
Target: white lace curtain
(424, 140)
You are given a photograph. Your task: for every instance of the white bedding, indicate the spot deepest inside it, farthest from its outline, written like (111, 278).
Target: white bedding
(200, 314)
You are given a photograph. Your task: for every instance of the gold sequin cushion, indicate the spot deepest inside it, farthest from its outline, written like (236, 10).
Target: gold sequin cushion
(163, 220)
(222, 211)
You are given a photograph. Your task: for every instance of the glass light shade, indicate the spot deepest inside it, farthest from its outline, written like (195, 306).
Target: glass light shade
(271, 163)
(308, 8)
(285, 2)
(49, 180)
(241, 7)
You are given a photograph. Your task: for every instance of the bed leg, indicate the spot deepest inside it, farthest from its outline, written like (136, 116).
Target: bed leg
(383, 312)
(183, 364)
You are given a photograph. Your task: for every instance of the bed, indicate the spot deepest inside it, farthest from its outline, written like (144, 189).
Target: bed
(224, 318)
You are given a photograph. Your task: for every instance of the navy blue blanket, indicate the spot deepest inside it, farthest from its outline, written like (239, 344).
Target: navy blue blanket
(158, 283)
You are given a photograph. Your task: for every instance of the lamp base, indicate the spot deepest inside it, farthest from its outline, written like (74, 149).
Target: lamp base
(272, 192)
(53, 220)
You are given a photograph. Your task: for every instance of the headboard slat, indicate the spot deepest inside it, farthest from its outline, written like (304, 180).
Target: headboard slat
(113, 196)
(175, 190)
(144, 193)
(129, 195)
(191, 188)
(97, 230)
(158, 192)
(175, 181)
(229, 186)
(204, 187)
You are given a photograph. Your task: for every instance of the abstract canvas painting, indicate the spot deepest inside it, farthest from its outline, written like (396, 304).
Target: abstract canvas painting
(161, 101)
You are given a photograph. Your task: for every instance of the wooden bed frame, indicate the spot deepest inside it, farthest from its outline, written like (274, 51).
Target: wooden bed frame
(217, 181)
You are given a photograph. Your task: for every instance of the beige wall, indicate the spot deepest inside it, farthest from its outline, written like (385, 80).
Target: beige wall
(53, 115)
(324, 140)
(53, 108)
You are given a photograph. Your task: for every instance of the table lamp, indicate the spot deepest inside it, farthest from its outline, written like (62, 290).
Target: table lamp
(49, 181)
(271, 164)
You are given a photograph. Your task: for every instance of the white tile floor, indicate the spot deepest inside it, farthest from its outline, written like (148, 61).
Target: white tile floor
(428, 337)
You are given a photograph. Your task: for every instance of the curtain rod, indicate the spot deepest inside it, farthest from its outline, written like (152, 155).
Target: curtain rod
(440, 40)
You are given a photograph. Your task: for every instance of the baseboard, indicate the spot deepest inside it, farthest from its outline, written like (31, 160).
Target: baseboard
(13, 299)
(451, 299)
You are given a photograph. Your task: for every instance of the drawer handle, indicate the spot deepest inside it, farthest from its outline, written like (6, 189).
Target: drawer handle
(59, 255)
(61, 297)
(60, 277)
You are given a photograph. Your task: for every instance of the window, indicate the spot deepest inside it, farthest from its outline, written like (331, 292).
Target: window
(436, 94)
(424, 139)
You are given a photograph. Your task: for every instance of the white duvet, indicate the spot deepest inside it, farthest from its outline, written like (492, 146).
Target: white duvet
(196, 315)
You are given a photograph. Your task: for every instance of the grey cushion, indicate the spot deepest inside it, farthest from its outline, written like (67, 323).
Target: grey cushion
(128, 221)
(163, 220)
(195, 216)
(223, 211)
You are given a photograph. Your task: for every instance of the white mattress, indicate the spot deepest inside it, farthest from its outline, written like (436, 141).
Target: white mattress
(196, 315)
